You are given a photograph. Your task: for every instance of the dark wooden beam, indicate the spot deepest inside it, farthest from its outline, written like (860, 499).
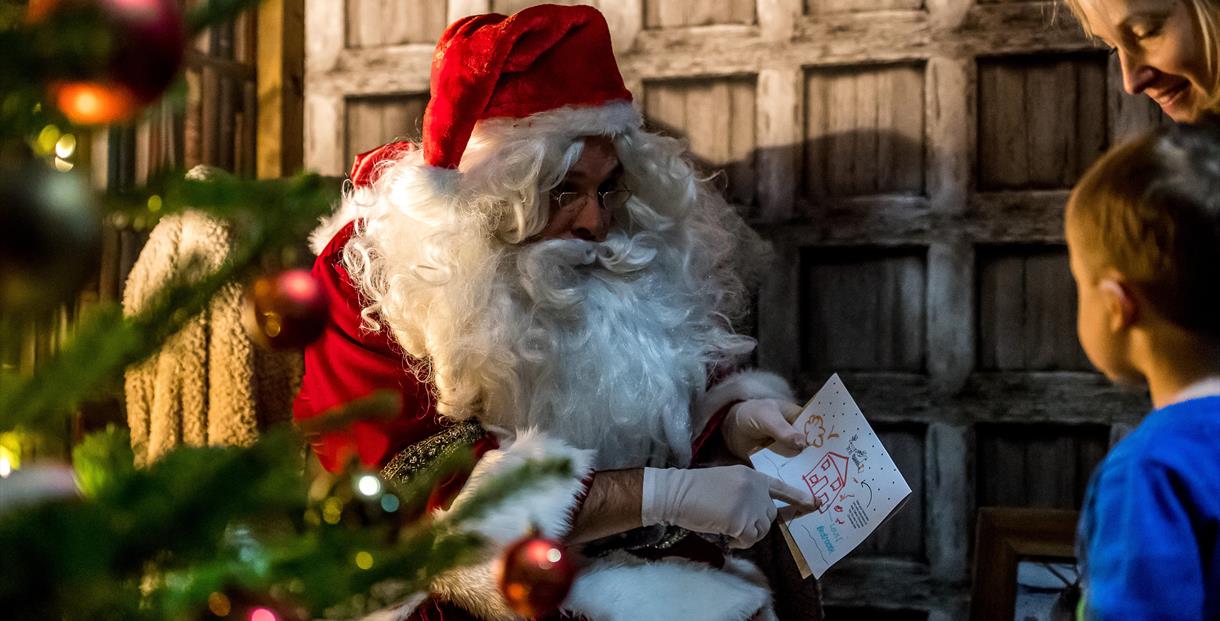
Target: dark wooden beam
(1066, 397)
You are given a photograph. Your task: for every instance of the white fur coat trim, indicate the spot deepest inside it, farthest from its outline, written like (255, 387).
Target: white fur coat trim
(618, 587)
(621, 587)
(740, 386)
(548, 507)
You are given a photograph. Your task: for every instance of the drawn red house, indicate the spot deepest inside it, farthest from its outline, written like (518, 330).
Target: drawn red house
(827, 478)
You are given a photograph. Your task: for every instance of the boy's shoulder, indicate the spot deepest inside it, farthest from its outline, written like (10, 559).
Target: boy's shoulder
(1181, 437)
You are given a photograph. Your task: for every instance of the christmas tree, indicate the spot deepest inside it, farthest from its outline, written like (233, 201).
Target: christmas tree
(201, 532)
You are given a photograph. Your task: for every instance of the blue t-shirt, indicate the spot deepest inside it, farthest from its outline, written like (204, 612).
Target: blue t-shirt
(1150, 530)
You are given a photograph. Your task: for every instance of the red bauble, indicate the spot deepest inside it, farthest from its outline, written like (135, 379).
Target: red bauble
(148, 42)
(152, 41)
(286, 310)
(536, 576)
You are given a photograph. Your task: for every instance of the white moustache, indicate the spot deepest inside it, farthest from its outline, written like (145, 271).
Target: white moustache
(553, 271)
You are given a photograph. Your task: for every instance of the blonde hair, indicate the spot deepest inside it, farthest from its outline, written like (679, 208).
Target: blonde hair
(1207, 16)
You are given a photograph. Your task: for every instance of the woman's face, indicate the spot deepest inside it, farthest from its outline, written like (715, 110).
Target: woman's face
(1160, 47)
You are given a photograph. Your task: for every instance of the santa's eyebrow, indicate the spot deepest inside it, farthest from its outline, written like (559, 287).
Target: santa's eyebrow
(575, 174)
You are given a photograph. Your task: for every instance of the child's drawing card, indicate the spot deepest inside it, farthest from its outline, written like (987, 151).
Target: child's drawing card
(847, 468)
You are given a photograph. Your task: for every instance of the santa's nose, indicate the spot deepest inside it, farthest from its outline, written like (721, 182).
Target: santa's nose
(592, 221)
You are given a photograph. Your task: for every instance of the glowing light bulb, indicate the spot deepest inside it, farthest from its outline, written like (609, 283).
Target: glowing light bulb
(47, 139)
(9, 460)
(332, 510)
(389, 503)
(263, 614)
(91, 103)
(219, 604)
(65, 146)
(369, 485)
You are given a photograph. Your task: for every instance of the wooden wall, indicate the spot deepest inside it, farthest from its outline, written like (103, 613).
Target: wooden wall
(909, 160)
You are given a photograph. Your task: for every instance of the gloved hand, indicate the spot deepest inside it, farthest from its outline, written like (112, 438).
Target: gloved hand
(759, 422)
(735, 501)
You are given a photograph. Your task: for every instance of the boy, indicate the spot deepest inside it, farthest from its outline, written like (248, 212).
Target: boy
(1143, 233)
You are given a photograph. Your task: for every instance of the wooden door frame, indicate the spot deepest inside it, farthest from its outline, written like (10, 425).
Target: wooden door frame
(281, 81)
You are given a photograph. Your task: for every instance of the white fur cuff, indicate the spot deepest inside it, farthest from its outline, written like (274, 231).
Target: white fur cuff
(740, 386)
(548, 507)
(621, 587)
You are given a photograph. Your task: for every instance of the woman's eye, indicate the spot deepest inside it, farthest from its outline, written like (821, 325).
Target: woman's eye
(1147, 30)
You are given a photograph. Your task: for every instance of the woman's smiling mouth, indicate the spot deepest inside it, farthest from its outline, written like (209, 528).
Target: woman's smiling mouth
(1170, 98)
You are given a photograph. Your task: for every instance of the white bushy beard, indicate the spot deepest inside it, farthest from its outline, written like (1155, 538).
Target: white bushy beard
(610, 353)
(605, 345)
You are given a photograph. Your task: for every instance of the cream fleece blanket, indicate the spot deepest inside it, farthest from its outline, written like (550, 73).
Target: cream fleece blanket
(208, 384)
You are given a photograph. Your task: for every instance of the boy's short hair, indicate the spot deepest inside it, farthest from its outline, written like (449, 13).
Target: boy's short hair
(1150, 208)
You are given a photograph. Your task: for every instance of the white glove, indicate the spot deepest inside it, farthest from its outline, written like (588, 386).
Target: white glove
(735, 501)
(759, 422)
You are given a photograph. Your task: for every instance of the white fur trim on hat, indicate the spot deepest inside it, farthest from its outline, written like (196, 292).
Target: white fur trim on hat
(608, 119)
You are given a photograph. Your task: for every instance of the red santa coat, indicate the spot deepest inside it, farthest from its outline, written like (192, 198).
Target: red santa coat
(348, 362)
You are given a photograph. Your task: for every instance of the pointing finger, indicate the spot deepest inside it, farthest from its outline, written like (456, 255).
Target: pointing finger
(796, 497)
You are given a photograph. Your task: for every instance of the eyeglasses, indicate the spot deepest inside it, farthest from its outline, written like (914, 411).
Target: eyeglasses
(610, 199)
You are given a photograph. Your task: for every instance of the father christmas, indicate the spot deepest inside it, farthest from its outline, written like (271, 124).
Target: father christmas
(543, 277)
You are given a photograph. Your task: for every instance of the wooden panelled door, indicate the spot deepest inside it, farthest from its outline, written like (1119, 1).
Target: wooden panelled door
(909, 160)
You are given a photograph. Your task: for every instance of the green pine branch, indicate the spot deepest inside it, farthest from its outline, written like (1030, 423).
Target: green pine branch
(264, 215)
(154, 543)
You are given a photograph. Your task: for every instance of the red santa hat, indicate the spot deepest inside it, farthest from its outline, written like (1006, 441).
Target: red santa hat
(540, 60)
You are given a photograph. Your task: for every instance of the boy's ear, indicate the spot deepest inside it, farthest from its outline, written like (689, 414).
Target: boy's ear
(1121, 307)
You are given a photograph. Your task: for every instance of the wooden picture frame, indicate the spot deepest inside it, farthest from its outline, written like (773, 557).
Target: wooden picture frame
(1005, 537)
